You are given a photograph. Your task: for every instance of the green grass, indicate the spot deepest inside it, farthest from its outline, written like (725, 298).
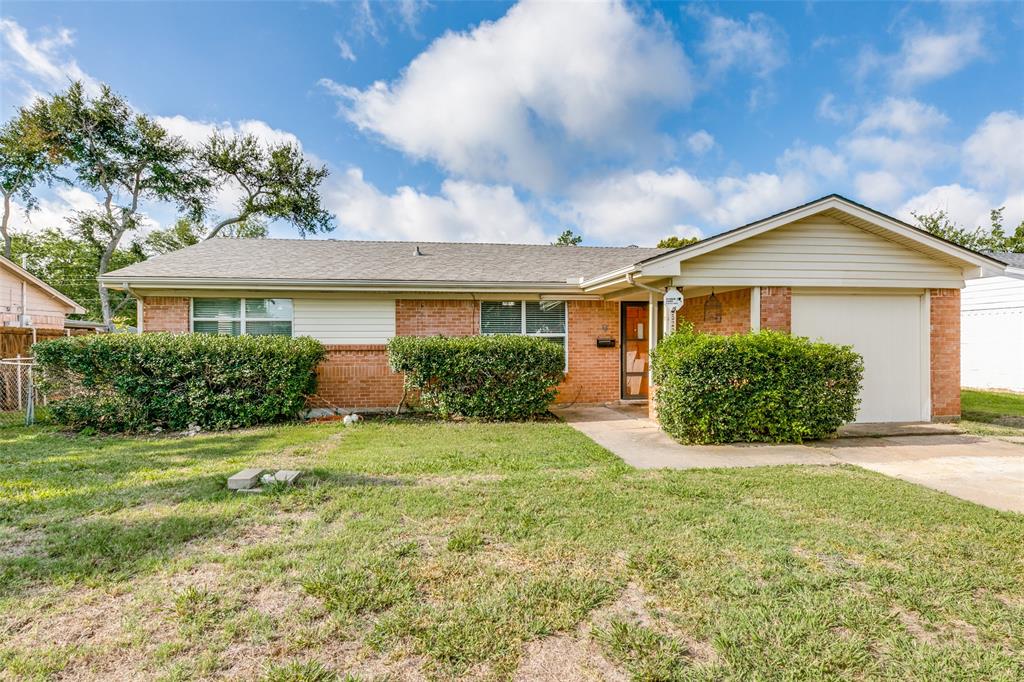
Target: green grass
(992, 413)
(459, 551)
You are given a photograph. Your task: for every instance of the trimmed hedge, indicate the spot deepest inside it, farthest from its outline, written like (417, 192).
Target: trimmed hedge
(129, 382)
(484, 377)
(756, 387)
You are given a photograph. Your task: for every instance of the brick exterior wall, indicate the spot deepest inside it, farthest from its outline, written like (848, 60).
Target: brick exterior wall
(777, 308)
(165, 314)
(593, 372)
(735, 313)
(356, 376)
(945, 353)
(429, 318)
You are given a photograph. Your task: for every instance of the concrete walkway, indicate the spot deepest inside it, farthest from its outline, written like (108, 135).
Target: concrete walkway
(989, 472)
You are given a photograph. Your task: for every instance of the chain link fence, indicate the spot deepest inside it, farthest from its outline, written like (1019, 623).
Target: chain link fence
(18, 396)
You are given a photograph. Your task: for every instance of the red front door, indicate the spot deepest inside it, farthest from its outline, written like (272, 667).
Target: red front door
(635, 356)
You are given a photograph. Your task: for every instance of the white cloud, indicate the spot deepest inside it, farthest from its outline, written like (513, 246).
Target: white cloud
(638, 207)
(925, 55)
(965, 206)
(463, 211)
(816, 161)
(830, 110)
(197, 132)
(40, 64)
(993, 155)
(646, 206)
(410, 12)
(344, 49)
(880, 188)
(905, 116)
(53, 211)
(701, 142)
(511, 99)
(757, 44)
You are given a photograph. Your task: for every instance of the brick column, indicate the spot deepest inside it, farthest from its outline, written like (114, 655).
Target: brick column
(777, 308)
(945, 353)
(165, 314)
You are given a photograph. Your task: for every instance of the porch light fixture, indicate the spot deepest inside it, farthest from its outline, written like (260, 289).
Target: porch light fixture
(712, 308)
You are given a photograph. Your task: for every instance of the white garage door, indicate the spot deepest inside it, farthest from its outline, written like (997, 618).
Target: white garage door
(887, 331)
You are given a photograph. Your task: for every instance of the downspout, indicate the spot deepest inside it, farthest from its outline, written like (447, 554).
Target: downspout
(632, 282)
(138, 306)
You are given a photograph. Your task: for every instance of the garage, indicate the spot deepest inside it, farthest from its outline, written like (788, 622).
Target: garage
(890, 331)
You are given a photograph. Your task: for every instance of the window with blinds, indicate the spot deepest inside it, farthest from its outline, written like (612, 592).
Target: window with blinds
(236, 316)
(546, 319)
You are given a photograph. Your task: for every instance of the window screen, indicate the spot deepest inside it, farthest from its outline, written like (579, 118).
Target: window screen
(235, 316)
(545, 319)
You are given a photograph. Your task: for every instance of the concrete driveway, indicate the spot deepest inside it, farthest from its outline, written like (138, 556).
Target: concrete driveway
(985, 471)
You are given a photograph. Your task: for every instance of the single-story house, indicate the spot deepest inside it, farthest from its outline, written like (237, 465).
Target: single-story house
(830, 269)
(28, 302)
(992, 328)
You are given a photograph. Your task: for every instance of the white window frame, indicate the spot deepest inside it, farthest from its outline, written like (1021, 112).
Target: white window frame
(241, 312)
(522, 324)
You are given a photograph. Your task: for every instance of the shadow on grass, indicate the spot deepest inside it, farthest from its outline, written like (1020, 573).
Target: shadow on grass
(107, 548)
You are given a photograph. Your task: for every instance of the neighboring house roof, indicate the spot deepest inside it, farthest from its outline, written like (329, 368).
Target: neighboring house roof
(24, 274)
(346, 261)
(1012, 259)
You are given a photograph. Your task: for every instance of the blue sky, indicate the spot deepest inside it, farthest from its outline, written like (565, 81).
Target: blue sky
(624, 122)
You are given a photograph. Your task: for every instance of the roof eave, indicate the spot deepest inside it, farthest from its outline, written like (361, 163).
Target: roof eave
(332, 285)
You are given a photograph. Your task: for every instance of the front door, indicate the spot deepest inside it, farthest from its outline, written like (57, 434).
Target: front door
(635, 354)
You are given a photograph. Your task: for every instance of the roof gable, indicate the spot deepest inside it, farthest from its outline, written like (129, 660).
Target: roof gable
(23, 274)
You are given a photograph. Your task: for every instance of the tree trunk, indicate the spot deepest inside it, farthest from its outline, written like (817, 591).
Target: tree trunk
(215, 230)
(3, 226)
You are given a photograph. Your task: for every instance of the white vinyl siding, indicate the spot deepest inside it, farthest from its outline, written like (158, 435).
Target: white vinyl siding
(345, 321)
(992, 333)
(819, 251)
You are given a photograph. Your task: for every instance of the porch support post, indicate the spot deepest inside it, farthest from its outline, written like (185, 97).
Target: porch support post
(755, 309)
(652, 342)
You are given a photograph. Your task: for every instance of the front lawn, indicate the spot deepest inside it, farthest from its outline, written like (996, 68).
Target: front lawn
(486, 551)
(995, 413)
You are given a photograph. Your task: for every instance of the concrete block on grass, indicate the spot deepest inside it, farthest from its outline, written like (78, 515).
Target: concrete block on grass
(245, 479)
(288, 476)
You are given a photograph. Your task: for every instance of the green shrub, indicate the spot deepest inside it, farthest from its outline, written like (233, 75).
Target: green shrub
(128, 382)
(757, 387)
(486, 377)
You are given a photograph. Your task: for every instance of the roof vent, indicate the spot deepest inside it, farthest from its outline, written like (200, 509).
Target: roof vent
(632, 246)
(416, 251)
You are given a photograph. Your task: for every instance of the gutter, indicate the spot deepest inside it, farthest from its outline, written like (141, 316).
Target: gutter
(630, 278)
(338, 285)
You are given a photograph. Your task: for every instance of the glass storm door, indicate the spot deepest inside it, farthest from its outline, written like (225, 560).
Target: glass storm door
(634, 350)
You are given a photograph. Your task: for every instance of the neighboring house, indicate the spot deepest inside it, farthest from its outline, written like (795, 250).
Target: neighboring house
(28, 302)
(992, 322)
(830, 269)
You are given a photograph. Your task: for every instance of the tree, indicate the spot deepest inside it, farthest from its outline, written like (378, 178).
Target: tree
(126, 158)
(941, 225)
(276, 182)
(71, 264)
(185, 233)
(26, 158)
(676, 242)
(568, 238)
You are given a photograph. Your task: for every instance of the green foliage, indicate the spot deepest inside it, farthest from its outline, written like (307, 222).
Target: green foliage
(27, 157)
(297, 671)
(757, 387)
(676, 242)
(486, 377)
(995, 238)
(568, 238)
(71, 264)
(126, 382)
(185, 233)
(276, 181)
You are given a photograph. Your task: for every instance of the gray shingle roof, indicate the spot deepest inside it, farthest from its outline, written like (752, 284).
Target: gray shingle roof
(297, 259)
(1015, 260)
